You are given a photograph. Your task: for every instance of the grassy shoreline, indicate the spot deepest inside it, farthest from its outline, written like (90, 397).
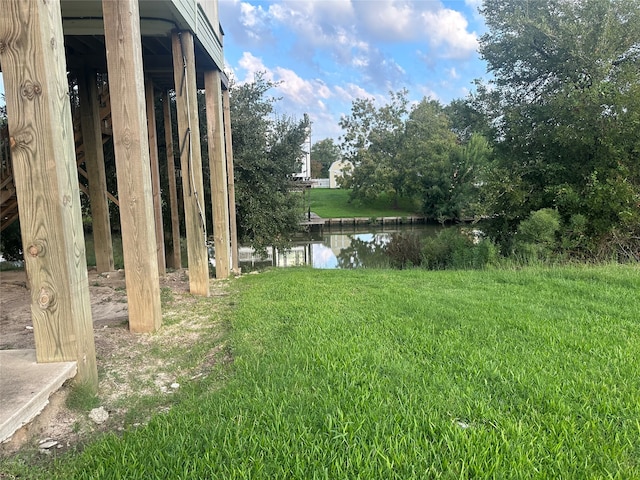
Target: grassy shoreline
(334, 203)
(528, 373)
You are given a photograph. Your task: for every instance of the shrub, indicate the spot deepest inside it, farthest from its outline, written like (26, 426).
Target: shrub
(485, 253)
(404, 250)
(453, 248)
(574, 234)
(536, 235)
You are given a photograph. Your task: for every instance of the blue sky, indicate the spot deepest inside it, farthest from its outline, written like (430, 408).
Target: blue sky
(326, 53)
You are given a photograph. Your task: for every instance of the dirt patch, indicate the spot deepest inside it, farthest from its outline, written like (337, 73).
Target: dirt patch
(129, 365)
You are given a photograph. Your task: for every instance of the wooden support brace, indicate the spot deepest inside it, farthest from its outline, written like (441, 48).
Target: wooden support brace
(39, 115)
(82, 172)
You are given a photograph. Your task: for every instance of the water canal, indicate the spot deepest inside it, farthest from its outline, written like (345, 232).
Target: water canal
(335, 247)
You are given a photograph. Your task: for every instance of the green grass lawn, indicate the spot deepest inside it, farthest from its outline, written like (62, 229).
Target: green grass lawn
(334, 203)
(382, 374)
(116, 241)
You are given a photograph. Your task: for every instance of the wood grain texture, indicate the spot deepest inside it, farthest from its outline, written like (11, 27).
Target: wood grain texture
(218, 169)
(231, 188)
(39, 114)
(191, 161)
(94, 160)
(131, 146)
(155, 174)
(176, 254)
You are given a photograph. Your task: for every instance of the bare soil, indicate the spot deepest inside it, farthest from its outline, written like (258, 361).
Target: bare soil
(122, 356)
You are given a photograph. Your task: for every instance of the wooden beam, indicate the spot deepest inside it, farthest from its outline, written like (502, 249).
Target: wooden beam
(94, 160)
(82, 172)
(131, 146)
(218, 169)
(155, 174)
(176, 254)
(39, 116)
(191, 161)
(231, 188)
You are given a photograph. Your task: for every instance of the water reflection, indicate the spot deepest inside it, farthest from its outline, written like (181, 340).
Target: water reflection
(345, 248)
(364, 250)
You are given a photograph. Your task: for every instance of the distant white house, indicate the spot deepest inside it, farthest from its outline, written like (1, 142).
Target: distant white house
(305, 160)
(337, 170)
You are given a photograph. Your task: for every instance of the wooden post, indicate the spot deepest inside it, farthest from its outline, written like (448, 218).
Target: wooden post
(218, 169)
(94, 160)
(39, 115)
(176, 258)
(155, 175)
(131, 146)
(191, 161)
(231, 188)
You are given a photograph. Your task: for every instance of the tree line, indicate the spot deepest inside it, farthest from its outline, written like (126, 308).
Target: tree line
(550, 143)
(546, 153)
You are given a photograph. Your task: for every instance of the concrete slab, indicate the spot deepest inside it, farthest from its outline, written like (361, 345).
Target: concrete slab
(25, 387)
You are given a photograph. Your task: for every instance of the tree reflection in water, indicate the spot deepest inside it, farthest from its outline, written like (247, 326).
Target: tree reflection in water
(364, 252)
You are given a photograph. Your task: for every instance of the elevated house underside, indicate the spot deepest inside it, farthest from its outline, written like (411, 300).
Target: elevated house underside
(145, 49)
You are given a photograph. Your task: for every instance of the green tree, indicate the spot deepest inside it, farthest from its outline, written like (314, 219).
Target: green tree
(412, 153)
(565, 110)
(467, 118)
(373, 141)
(267, 150)
(444, 173)
(323, 154)
(430, 154)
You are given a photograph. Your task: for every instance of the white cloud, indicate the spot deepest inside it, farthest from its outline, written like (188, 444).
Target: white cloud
(452, 73)
(351, 91)
(316, 23)
(425, 91)
(348, 28)
(298, 90)
(448, 28)
(324, 125)
(290, 85)
(389, 20)
(247, 23)
(401, 21)
(298, 95)
(252, 65)
(248, 15)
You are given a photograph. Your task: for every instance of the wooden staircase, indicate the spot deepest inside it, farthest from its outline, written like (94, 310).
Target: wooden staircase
(8, 199)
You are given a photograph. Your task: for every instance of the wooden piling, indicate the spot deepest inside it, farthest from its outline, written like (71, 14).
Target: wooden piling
(191, 161)
(42, 147)
(131, 145)
(218, 169)
(176, 254)
(94, 161)
(155, 174)
(233, 227)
